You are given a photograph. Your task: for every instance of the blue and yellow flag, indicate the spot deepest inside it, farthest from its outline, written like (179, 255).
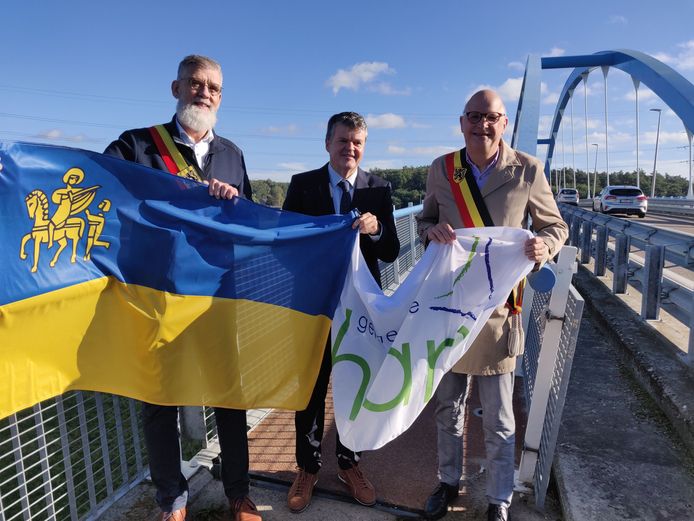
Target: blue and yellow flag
(123, 279)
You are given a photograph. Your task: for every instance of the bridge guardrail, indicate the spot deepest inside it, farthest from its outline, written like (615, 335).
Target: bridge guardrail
(663, 205)
(551, 321)
(591, 233)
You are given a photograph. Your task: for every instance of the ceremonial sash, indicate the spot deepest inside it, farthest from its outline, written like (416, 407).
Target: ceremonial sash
(173, 159)
(473, 210)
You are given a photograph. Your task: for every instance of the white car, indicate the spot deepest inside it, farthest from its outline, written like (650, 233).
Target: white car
(568, 196)
(623, 199)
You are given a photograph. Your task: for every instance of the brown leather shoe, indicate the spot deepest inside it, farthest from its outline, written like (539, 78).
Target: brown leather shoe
(361, 488)
(299, 497)
(244, 509)
(177, 515)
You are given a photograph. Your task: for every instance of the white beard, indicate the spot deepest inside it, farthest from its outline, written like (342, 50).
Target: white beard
(196, 118)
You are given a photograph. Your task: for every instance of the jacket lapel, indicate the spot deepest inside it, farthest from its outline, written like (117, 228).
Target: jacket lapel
(503, 171)
(324, 198)
(361, 184)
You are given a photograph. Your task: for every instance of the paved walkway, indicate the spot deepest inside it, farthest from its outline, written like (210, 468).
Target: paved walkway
(618, 455)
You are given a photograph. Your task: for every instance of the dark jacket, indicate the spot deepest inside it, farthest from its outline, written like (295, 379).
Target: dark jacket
(223, 162)
(309, 193)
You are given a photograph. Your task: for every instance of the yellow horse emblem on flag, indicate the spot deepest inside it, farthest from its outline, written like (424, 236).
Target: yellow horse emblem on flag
(63, 225)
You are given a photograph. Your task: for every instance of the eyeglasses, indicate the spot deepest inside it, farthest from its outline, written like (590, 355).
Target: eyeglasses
(197, 85)
(475, 117)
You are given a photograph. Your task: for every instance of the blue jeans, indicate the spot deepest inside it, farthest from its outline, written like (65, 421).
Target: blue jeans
(496, 397)
(160, 425)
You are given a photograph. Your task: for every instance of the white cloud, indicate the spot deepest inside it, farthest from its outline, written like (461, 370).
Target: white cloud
(396, 149)
(555, 51)
(51, 134)
(618, 19)
(594, 123)
(549, 98)
(544, 125)
(578, 91)
(509, 90)
(388, 120)
(516, 66)
(360, 73)
(288, 129)
(58, 135)
(665, 138)
(683, 59)
(644, 94)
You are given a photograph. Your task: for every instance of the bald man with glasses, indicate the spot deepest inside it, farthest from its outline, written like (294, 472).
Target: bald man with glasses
(505, 187)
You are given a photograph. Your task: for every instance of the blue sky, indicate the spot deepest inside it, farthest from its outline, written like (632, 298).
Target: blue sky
(78, 73)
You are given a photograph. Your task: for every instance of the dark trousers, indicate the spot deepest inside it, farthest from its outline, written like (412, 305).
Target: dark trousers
(309, 425)
(160, 425)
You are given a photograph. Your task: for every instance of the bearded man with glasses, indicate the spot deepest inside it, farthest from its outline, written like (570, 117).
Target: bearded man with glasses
(188, 147)
(487, 183)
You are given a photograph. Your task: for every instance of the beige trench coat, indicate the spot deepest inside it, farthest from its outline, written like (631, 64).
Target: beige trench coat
(516, 188)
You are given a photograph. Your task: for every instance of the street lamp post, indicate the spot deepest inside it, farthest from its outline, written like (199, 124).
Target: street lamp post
(655, 157)
(595, 170)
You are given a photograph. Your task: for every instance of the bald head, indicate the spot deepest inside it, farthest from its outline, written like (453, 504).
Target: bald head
(487, 97)
(483, 124)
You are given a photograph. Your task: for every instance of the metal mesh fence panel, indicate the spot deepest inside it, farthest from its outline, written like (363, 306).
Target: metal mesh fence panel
(533, 341)
(557, 395)
(69, 458)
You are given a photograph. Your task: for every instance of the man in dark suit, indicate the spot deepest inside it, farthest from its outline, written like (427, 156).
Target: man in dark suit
(339, 187)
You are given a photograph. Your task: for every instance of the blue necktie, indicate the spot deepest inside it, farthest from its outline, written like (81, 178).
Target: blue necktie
(345, 200)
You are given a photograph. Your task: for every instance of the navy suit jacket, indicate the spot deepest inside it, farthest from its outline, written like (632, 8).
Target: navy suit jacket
(309, 193)
(224, 160)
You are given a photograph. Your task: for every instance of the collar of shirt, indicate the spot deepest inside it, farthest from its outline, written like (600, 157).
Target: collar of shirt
(482, 177)
(335, 190)
(201, 148)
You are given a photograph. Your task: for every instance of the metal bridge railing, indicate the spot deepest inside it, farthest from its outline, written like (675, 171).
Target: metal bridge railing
(71, 457)
(610, 242)
(551, 322)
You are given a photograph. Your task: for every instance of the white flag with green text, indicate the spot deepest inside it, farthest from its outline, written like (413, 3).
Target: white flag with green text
(390, 352)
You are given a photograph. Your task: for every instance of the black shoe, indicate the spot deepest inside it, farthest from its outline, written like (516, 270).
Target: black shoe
(437, 504)
(497, 513)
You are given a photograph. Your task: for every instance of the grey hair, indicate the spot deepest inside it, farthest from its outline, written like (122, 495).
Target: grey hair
(351, 120)
(195, 61)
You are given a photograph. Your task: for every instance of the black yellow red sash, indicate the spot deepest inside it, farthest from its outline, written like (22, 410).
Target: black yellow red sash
(172, 157)
(473, 210)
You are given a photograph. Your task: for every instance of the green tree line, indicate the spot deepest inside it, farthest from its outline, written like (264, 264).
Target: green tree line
(666, 185)
(409, 184)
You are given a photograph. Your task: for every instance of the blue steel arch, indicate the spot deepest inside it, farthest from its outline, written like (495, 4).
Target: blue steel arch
(668, 84)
